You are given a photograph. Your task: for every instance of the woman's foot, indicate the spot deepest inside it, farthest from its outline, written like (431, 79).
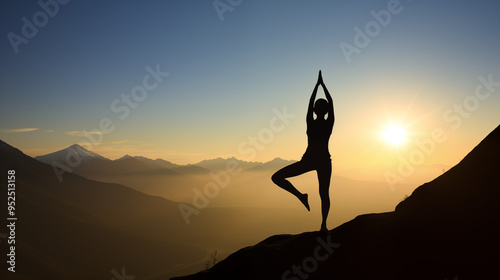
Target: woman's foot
(304, 201)
(323, 228)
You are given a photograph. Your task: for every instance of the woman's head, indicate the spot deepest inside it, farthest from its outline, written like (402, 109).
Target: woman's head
(321, 107)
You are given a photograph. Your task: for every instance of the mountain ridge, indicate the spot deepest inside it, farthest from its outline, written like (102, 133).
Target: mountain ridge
(61, 156)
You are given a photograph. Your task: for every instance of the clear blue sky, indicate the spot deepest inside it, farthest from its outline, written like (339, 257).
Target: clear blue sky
(227, 76)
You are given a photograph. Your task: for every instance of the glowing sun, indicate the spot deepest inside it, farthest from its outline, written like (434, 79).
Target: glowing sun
(394, 134)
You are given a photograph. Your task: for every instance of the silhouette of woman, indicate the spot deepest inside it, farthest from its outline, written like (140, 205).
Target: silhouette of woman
(317, 156)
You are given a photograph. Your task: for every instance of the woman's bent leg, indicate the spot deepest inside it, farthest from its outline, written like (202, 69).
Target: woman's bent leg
(279, 178)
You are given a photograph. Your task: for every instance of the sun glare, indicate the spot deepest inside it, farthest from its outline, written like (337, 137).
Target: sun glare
(394, 135)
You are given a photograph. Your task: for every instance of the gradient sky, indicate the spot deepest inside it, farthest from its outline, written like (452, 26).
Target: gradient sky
(226, 77)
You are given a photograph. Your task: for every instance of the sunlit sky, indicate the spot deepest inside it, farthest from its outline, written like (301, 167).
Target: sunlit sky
(229, 72)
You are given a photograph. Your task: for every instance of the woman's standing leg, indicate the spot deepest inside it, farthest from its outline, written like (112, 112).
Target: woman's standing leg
(324, 175)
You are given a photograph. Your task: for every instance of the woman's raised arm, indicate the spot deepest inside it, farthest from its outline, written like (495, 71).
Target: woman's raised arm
(310, 110)
(331, 115)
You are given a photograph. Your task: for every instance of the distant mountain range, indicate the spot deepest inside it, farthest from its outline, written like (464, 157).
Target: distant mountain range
(159, 161)
(448, 228)
(93, 165)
